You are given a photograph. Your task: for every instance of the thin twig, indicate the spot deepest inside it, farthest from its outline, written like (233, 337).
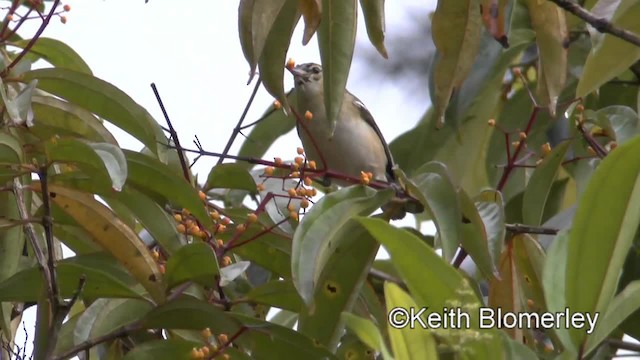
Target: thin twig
(526, 229)
(378, 274)
(33, 40)
(600, 24)
(624, 345)
(174, 135)
(88, 344)
(238, 127)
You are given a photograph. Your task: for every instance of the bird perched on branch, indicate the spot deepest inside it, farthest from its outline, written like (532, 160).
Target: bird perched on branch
(355, 147)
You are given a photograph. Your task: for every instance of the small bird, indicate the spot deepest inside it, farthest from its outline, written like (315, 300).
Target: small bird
(356, 145)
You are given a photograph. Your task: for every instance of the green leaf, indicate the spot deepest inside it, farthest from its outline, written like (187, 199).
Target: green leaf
(312, 13)
(168, 349)
(490, 205)
(272, 60)
(195, 262)
(610, 56)
(277, 293)
(622, 306)
(106, 315)
(539, 187)
(101, 160)
(367, 332)
(11, 153)
(271, 251)
(56, 53)
(607, 210)
(407, 343)
(230, 176)
(151, 176)
(550, 24)
(621, 122)
(419, 264)
(339, 284)
(456, 29)
(373, 11)
(151, 216)
(53, 117)
(274, 124)
(255, 21)
(336, 40)
(554, 284)
(232, 272)
(102, 99)
(104, 278)
(432, 185)
(474, 237)
(316, 237)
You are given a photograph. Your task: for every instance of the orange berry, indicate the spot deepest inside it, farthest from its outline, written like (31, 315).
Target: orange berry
(613, 145)
(226, 261)
(304, 203)
(314, 192)
(277, 105)
(214, 215)
(515, 143)
(546, 148)
(162, 268)
(63, 19)
(295, 174)
(295, 167)
(219, 242)
(491, 122)
(312, 164)
(580, 108)
(370, 174)
(268, 170)
(222, 338)
(308, 115)
(523, 136)
(226, 221)
(290, 64)
(260, 187)
(226, 357)
(308, 181)
(177, 217)
(517, 71)
(251, 218)
(530, 303)
(202, 195)
(10, 17)
(300, 151)
(293, 215)
(221, 228)
(194, 354)
(291, 207)
(277, 161)
(193, 230)
(292, 192)
(181, 228)
(241, 228)
(298, 160)
(67, 7)
(185, 212)
(205, 350)
(591, 151)
(155, 255)
(205, 333)
(302, 191)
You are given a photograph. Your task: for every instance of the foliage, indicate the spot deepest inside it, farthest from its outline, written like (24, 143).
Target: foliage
(167, 268)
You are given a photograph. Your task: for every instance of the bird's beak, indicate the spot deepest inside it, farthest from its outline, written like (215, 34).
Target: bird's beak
(297, 72)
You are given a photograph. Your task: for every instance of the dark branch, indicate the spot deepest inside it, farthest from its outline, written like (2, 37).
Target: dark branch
(526, 229)
(600, 24)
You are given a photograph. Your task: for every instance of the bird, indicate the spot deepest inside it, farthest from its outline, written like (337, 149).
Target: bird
(355, 146)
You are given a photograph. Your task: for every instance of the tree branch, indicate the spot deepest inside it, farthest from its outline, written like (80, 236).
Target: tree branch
(600, 24)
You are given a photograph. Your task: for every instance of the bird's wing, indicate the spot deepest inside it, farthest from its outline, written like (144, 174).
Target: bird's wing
(366, 115)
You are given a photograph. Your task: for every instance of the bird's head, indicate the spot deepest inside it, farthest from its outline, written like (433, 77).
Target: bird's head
(307, 77)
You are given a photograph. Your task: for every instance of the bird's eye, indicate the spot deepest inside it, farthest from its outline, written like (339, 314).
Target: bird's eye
(316, 70)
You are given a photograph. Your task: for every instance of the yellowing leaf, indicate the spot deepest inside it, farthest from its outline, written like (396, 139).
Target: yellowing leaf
(550, 25)
(108, 231)
(311, 13)
(373, 11)
(456, 33)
